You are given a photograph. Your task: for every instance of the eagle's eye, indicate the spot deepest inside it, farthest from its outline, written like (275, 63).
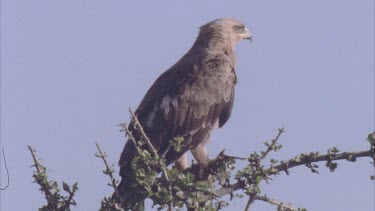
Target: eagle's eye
(238, 28)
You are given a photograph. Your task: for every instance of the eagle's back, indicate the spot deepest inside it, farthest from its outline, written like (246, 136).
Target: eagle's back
(188, 100)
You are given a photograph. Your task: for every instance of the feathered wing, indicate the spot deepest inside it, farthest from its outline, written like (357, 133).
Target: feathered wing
(188, 101)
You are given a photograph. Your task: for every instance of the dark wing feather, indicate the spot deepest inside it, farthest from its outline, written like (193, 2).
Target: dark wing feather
(188, 100)
(226, 110)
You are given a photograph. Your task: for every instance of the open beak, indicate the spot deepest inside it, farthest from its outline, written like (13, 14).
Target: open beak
(248, 35)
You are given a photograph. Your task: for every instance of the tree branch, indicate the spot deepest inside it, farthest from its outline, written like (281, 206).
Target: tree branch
(69, 201)
(271, 146)
(44, 185)
(212, 164)
(281, 205)
(305, 159)
(156, 155)
(291, 163)
(131, 137)
(55, 201)
(108, 170)
(250, 201)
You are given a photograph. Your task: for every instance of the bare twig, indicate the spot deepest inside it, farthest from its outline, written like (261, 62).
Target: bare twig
(45, 187)
(147, 140)
(273, 143)
(108, 169)
(167, 150)
(131, 137)
(250, 201)
(6, 168)
(282, 205)
(223, 156)
(36, 162)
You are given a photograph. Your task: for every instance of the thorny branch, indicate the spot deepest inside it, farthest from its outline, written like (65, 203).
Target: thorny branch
(313, 158)
(55, 201)
(69, 201)
(280, 205)
(167, 150)
(250, 201)
(273, 143)
(108, 170)
(45, 186)
(270, 147)
(255, 160)
(303, 159)
(131, 137)
(147, 140)
(291, 163)
(155, 153)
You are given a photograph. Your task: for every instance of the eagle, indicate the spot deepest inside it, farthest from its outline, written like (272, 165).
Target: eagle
(188, 100)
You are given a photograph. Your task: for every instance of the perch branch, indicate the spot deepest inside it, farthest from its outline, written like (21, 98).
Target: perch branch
(221, 157)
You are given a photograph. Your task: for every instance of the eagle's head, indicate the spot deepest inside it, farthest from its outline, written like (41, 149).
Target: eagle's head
(225, 29)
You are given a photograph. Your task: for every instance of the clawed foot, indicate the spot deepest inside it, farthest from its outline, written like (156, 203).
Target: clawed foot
(203, 171)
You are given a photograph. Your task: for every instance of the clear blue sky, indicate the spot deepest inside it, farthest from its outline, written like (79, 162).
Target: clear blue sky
(71, 69)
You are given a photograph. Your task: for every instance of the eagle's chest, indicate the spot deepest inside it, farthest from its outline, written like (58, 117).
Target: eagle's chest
(213, 76)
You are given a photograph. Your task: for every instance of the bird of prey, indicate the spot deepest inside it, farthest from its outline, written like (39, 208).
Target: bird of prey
(189, 99)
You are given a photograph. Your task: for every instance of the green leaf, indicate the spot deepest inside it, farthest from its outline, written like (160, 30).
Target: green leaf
(239, 196)
(332, 167)
(55, 186)
(314, 171)
(66, 187)
(351, 158)
(176, 143)
(371, 138)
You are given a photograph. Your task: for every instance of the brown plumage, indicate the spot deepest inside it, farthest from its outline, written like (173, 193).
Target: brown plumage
(189, 99)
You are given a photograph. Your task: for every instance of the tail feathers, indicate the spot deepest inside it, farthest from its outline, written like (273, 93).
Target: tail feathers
(132, 195)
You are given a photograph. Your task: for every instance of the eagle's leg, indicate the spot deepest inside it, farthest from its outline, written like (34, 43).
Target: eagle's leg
(200, 155)
(181, 163)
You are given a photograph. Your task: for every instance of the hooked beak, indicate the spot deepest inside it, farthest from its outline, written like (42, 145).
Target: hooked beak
(248, 35)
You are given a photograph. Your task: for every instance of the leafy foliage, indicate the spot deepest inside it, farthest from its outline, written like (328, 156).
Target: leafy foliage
(51, 190)
(171, 189)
